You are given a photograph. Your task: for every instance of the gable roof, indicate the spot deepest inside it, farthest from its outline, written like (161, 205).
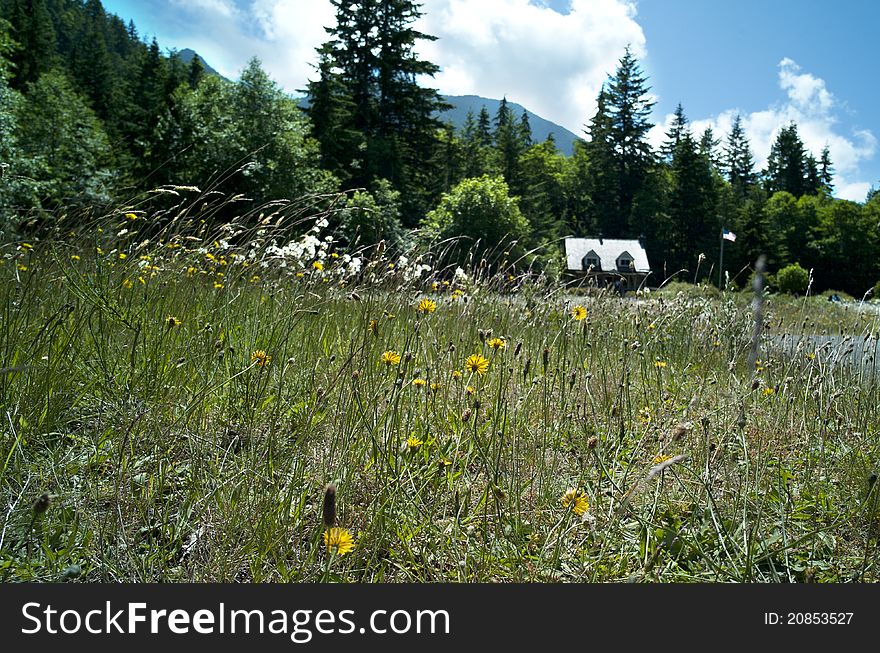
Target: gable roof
(608, 250)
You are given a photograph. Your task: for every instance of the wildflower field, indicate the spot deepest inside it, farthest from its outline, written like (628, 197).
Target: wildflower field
(173, 408)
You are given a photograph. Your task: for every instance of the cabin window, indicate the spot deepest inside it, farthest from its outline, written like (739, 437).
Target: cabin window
(624, 264)
(592, 262)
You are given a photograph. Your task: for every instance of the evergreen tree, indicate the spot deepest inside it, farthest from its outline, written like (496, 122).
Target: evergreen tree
(34, 32)
(738, 162)
(196, 71)
(372, 55)
(332, 112)
(674, 133)
(826, 171)
(812, 179)
(629, 108)
(787, 164)
(602, 178)
(91, 65)
(509, 146)
(484, 127)
(525, 130)
(692, 207)
(709, 147)
(475, 151)
(61, 133)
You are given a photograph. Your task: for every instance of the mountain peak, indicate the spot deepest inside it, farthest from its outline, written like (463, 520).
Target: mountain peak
(186, 55)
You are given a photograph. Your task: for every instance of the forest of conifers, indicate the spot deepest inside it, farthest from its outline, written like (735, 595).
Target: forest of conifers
(91, 115)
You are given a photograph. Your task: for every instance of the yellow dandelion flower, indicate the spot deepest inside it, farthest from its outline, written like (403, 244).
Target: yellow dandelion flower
(373, 327)
(769, 391)
(218, 285)
(811, 356)
(99, 250)
(27, 246)
(142, 281)
(414, 443)
(659, 363)
(477, 363)
(661, 458)
(652, 326)
(435, 387)
(579, 313)
(576, 501)
(435, 286)
(318, 266)
(456, 374)
(419, 383)
(338, 540)
(22, 267)
(390, 358)
(457, 293)
(74, 257)
(130, 216)
(122, 256)
(261, 358)
(172, 322)
(255, 278)
(444, 462)
(127, 283)
(470, 390)
(497, 343)
(334, 255)
(645, 415)
(299, 275)
(427, 306)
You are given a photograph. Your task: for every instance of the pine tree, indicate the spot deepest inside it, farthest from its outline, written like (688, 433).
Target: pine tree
(525, 130)
(709, 147)
(627, 107)
(484, 127)
(196, 71)
(603, 181)
(674, 133)
(738, 162)
(826, 171)
(34, 32)
(509, 146)
(371, 55)
(693, 205)
(475, 154)
(787, 165)
(812, 179)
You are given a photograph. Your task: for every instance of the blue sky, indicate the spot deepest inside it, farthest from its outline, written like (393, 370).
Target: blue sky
(772, 62)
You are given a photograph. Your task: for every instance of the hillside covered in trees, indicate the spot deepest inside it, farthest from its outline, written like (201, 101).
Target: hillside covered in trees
(91, 115)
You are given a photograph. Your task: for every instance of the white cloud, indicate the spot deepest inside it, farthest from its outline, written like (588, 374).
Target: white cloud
(554, 64)
(814, 109)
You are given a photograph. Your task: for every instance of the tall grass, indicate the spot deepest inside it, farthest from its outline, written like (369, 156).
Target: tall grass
(171, 453)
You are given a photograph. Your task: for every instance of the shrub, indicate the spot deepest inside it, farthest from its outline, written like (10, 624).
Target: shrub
(485, 216)
(370, 217)
(792, 279)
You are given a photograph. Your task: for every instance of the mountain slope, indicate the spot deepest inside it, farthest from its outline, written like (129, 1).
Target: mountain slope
(541, 127)
(186, 55)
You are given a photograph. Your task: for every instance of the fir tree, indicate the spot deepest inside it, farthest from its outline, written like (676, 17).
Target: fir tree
(738, 162)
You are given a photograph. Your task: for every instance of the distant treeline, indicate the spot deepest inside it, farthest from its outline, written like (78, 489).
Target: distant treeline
(90, 115)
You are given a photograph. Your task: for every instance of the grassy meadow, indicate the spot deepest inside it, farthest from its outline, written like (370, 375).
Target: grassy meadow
(172, 408)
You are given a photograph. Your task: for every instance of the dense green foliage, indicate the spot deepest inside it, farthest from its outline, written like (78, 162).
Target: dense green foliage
(792, 279)
(91, 116)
